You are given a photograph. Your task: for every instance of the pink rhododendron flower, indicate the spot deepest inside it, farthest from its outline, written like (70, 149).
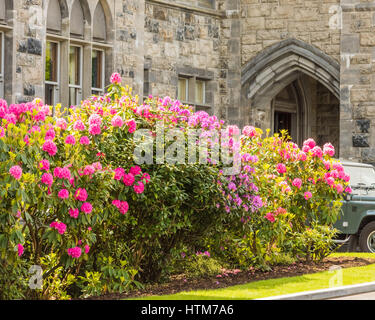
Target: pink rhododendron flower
(86, 207)
(307, 195)
(84, 140)
(88, 170)
(305, 148)
(119, 173)
(16, 172)
(50, 134)
(233, 130)
(139, 187)
(63, 194)
(310, 142)
(2, 132)
(330, 181)
(75, 252)
(281, 168)
(115, 78)
(87, 248)
(346, 178)
(44, 165)
(70, 140)
(249, 131)
(329, 149)
(97, 166)
(339, 188)
(122, 206)
(317, 152)
(348, 190)
(95, 119)
(59, 226)
(297, 183)
(135, 170)
(146, 177)
(74, 213)
(47, 179)
(128, 179)
(79, 125)
(117, 121)
(94, 129)
(61, 123)
(337, 166)
(132, 125)
(81, 194)
(270, 217)
(50, 147)
(302, 156)
(20, 249)
(26, 139)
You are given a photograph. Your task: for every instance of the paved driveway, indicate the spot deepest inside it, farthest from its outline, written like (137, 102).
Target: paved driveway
(362, 296)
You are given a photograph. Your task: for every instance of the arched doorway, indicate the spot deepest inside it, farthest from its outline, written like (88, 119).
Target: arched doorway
(294, 86)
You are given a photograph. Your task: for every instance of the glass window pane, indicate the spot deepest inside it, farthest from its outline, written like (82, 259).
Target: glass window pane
(51, 61)
(97, 69)
(74, 65)
(182, 89)
(199, 91)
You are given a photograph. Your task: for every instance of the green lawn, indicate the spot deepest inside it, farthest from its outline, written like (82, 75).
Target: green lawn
(267, 288)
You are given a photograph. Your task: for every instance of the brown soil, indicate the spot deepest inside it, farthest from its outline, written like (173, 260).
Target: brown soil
(234, 277)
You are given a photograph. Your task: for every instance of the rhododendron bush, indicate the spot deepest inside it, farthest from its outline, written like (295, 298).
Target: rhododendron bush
(75, 200)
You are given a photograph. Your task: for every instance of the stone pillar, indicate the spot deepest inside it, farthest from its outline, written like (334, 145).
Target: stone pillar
(233, 23)
(129, 42)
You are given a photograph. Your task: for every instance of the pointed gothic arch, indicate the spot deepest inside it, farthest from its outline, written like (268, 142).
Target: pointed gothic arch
(288, 63)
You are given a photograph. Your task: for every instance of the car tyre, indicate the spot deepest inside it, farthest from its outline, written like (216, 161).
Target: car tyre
(367, 238)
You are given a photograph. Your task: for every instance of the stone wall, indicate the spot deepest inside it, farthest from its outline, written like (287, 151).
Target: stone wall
(267, 22)
(182, 42)
(357, 110)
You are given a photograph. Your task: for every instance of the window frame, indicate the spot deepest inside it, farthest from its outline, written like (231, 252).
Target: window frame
(57, 83)
(187, 80)
(80, 66)
(192, 91)
(203, 92)
(75, 86)
(101, 90)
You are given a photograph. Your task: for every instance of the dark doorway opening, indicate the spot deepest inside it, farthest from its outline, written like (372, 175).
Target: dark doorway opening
(283, 121)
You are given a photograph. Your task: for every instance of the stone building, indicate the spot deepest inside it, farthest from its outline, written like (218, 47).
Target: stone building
(307, 66)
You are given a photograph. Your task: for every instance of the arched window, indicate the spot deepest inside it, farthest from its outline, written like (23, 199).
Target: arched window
(77, 19)
(2, 11)
(54, 16)
(53, 52)
(99, 25)
(101, 50)
(77, 54)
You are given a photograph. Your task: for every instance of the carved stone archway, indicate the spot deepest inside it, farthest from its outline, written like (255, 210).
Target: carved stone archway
(289, 62)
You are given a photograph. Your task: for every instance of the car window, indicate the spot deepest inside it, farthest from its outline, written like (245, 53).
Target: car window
(361, 175)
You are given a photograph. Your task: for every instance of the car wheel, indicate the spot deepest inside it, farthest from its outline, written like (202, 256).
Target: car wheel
(367, 238)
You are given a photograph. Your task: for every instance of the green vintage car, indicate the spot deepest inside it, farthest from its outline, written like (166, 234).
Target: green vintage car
(357, 218)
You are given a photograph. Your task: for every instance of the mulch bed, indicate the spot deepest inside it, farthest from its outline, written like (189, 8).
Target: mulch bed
(228, 278)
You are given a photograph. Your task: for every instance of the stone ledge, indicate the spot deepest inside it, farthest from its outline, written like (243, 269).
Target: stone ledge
(211, 12)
